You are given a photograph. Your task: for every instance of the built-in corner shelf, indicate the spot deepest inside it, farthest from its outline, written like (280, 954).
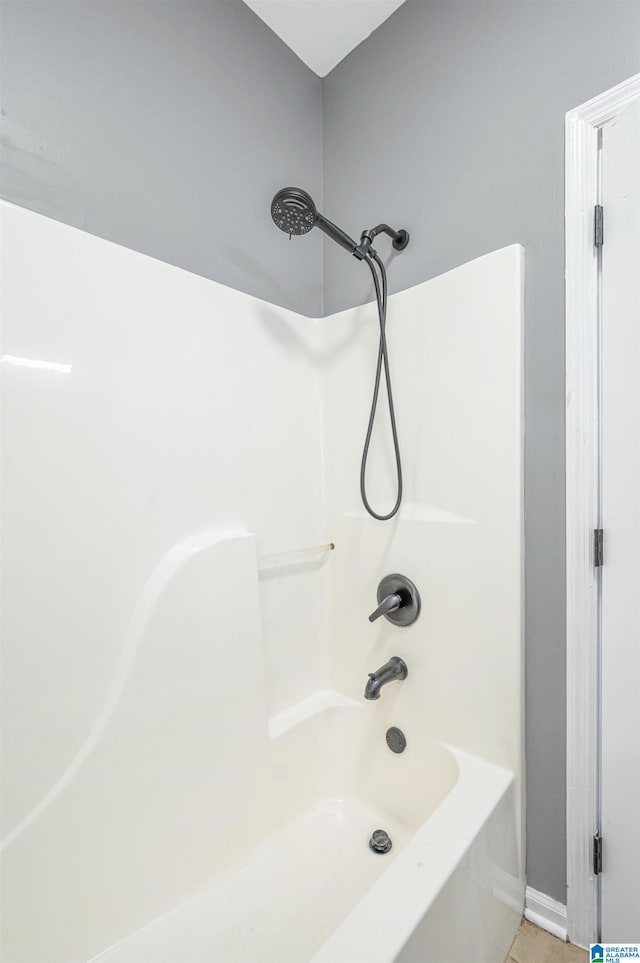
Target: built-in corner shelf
(311, 706)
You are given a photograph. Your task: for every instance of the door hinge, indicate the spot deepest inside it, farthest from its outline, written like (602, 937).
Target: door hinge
(597, 854)
(598, 547)
(598, 225)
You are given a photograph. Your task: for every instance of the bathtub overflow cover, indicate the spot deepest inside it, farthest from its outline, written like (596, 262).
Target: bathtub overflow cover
(380, 841)
(396, 739)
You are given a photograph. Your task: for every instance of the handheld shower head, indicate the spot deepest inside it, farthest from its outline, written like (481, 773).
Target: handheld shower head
(294, 212)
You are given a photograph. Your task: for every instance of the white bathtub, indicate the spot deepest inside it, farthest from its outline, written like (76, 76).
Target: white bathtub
(297, 881)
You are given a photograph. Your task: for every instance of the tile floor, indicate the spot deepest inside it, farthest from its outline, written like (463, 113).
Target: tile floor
(533, 945)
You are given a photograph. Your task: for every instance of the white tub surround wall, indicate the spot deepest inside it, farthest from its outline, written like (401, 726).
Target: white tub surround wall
(138, 677)
(185, 654)
(455, 347)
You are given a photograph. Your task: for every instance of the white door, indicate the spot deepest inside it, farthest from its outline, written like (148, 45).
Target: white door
(620, 465)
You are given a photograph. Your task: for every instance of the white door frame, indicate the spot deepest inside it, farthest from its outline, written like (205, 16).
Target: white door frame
(583, 499)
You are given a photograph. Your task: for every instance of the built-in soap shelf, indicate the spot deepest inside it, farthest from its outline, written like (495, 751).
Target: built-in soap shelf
(313, 705)
(297, 556)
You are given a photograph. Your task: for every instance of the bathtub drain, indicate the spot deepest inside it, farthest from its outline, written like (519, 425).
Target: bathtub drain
(380, 841)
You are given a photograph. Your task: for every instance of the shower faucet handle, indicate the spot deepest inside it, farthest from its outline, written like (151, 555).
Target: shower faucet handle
(398, 600)
(388, 604)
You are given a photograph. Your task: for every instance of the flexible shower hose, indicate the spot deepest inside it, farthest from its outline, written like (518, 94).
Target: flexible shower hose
(383, 360)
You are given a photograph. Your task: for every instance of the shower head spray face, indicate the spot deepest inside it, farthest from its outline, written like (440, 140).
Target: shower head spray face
(293, 211)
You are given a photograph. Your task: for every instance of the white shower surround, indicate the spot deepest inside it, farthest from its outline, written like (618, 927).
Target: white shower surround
(188, 756)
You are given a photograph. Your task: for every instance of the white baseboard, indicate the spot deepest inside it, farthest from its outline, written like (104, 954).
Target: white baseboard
(546, 913)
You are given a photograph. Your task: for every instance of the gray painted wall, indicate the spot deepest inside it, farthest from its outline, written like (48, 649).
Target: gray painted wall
(449, 121)
(166, 126)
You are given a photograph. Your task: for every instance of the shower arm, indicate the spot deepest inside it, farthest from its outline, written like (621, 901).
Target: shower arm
(400, 238)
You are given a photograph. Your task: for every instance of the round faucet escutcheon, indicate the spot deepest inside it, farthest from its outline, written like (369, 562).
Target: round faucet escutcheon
(398, 600)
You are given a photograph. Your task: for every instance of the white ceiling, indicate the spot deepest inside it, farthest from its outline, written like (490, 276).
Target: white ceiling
(322, 32)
